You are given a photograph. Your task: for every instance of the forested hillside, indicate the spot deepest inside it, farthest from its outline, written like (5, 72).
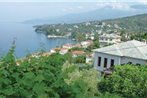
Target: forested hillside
(55, 76)
(133, 23)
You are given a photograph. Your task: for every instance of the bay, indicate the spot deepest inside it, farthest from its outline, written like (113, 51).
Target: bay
(27, 40)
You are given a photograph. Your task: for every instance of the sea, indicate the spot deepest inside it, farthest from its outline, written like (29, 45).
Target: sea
(27, 40)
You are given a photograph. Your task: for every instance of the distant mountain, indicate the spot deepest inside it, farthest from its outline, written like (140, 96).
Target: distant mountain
(141, 7)
(106, 12)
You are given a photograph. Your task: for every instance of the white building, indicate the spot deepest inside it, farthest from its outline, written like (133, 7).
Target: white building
(87, 43)
(63, 51)
(77, 53)
(133, 52)
(52, 51)
(67, 46)
(89, 58)
(89, 36)
(106, 39)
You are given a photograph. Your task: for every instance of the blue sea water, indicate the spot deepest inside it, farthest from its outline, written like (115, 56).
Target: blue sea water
(27, 40)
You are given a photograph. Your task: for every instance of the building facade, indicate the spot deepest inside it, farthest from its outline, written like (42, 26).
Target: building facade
(106, 39)
(131, 52)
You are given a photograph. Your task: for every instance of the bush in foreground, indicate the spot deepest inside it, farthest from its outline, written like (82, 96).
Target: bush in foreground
(128, 81)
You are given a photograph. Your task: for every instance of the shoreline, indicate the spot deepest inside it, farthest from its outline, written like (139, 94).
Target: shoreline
(54, 36)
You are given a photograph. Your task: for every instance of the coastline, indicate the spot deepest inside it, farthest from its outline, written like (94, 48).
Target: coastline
(55, 36)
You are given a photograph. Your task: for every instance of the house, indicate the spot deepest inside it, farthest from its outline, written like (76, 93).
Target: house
(36, 55)
(144, 41)
(87, 43)
(132, 52)
(63, 51)
(89, 58)
(54, 50)
(76, 26)
(46, 54)
(77, 45)
(67, 46)
(18, 63)
(77, 53)
(89, 36)
(106, 39)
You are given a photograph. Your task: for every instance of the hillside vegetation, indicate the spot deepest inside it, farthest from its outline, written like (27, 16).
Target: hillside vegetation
(63, 29)
(55, 77)
(132, 25)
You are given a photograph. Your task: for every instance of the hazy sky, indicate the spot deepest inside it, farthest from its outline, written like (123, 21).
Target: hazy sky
(73, 0)
(20, 10)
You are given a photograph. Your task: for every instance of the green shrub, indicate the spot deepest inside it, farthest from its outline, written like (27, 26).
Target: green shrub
(128, 81)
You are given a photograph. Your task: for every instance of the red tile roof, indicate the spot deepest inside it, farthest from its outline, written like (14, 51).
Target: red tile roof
(78, 52)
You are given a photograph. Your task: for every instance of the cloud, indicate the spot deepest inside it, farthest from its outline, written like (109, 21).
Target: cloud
(142, 1)
(115, 5)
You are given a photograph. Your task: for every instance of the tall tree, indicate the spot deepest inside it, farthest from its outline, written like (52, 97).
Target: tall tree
(96, 43)
(80, 37)
(9, 59)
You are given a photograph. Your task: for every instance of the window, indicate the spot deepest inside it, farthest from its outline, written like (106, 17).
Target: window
(123, 64)
(130, 63)
(112, 63)
(105, 62)
(138, 64)
(99, 61)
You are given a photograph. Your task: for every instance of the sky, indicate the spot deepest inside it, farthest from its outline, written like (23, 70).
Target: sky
(73, 1)
(21, 10)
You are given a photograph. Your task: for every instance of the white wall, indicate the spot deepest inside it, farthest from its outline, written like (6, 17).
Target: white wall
(109, 57)
(117, 60)
(133, 60)
(88, 59)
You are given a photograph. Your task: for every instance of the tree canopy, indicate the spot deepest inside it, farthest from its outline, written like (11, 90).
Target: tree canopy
(54, 77)
(128, 81)
(44, 77)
